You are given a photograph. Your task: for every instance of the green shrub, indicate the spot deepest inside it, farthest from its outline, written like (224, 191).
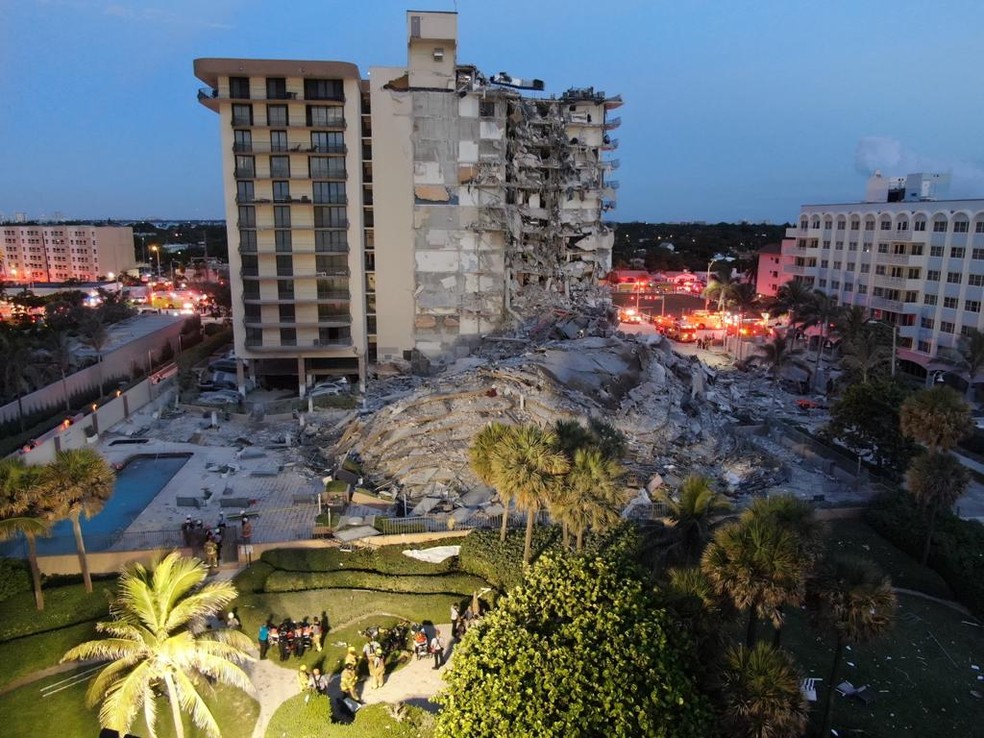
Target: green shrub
(15, 577)
(312, 719)
(63, 606)
(252, 579)
(500, 563)
(957, 549)
(296, 581)
(384, 560)
(336, 487)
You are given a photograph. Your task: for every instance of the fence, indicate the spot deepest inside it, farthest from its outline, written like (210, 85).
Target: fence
(120, 540)
(423, 524)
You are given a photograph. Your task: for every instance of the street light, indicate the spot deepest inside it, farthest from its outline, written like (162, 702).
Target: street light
(707, 283)
(157, 251)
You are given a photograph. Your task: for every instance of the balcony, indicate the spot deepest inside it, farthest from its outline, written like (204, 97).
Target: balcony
(895, 259)
(609, 143)
(339, 296)
(338, 321)
(794, 232)
(612, 184)
(884, 280)
(883, 303)
(611, 164)
(615, 101)
(800, 270)
(299, 347)
(612, 123)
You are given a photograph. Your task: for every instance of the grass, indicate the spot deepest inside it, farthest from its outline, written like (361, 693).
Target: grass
(918, 686)
(65, 605)
(286, 581)
(25, 712)
(296, 719)
(32, 653)
(857, 538)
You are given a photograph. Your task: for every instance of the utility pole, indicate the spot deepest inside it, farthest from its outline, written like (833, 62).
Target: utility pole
(895, 333)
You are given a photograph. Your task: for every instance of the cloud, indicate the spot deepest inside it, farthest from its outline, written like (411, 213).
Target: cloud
(893, 159)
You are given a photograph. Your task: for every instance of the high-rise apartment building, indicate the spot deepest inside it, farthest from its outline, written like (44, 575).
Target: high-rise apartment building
(915, 263)
(58, 252)
(405, 215)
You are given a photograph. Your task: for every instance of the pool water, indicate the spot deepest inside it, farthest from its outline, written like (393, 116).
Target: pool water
(137, 483)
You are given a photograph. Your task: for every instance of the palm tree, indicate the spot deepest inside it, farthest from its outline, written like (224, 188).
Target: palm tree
(590, 494)
(937, 417)
(158, 643)
(762, 697)
(936, 479)
(968, 357)
(791, 299)
(483, 454)
(23, 511)
(854, 602)
(528, 468)
(19, 370)
(78, 482)
(721, 288)
(96, 337)
(758, 566)
(58, 347)
(797, 517)
(866, 351)
(691, 515)
(571, 436)
(744, 300)
(851, 323)
(821, 311)
(778, 354)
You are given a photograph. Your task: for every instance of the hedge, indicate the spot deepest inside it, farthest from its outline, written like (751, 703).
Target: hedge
(956, 552)
(295, 581)
(63, 606)
(384, 560)
(15, 577)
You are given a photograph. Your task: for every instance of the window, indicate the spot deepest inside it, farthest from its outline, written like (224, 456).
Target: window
(972, 306)
(840, 224)
(880, 269)
(929, 299)
(249, 265)
(897, 272)
(903, 225)
(936, 251)
(933, 275)
(244, 190)
(919, 225)
(239, 88)
(326, 167)
(243, 141)
(285, 265)
(954, 277)
(486, 108)
(913, 273)
(330, 241)
(946, 326)
(247, 216)
(835, 285)
(329, 217)
(279, 166)
(329, 193)
(245, 166)
(961, 226)
(958, 252)
(979, 227)
(278, 140)
(281, 191)
(977, 254)
(816, 222)
(850, 266)
(975, 280)
(878, 292)
(323, 89)
(288, 336)
(281, 216)
(939, 226)
(923, 347)
(282, 241)
(276, 88)
(950, 303)
(849, 286)
(285, 289)
(242, 115)
(328, 142)
(287, 314)
(865, 268)
(898, 249)
(855, 224)
(869, 225)
(927, 323)
(911, 296)
(821, 283)
(883, 248)
(824, 263)
(862, 289)
(839, 246)
(803, 224)
(886, 225)
(852, 246)
(837, 265)
(324, 116)
(277, 115)
(826, 244)
(828, 223)
(247, 241)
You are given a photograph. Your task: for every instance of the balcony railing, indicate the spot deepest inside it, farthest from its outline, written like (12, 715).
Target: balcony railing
(612, 184)
(612, 123)
(609, 143)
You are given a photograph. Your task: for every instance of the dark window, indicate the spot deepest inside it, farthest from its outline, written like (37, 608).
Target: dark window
(239, 88)
(328, 142)
(247, 216)
(486, 108)
(285, 289)
(330, 241)
(329, 336)
(244, 190)
(279, 166)
(288, 336)
(245, 166)
(329, 193)
(281, 191)
(277, 115)
(331, 265)
(329, 217)
(276, 88)
(249, 265)
(326, 167)
(254, 336)
(281, 216)
(247, 240)
(243, 141)
(325, 116)
(242, 115)
(252, 311)
(282, 241)
(278, 140)
(323, 89)
(287, 314)
(332, 312)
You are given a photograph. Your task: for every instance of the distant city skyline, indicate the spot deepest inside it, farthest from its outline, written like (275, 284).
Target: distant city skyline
(731, 112)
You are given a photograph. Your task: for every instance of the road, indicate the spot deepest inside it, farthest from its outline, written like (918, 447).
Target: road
(651, 303)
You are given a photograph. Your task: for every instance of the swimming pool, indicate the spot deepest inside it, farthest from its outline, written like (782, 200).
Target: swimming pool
(137, 483)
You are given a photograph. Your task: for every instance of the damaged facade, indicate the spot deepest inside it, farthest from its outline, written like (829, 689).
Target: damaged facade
(468, 203)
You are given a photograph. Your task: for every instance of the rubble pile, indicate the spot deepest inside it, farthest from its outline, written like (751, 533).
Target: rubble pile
(668, 407)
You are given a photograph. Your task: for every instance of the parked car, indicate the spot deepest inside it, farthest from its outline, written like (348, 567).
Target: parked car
(328, 390)
(219, 397)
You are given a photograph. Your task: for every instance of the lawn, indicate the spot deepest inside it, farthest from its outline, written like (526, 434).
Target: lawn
(33, 653)
(922, 672)
(297, 719)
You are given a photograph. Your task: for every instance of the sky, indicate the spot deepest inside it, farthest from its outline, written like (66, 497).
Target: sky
(734, 110)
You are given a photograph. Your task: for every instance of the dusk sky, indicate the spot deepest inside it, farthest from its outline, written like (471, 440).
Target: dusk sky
(733, 110)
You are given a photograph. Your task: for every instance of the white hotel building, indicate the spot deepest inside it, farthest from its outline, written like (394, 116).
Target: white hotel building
(916, 263)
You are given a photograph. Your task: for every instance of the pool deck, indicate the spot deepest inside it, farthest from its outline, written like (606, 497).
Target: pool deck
(271, 480)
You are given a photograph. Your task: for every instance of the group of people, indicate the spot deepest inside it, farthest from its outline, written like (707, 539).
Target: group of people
(291, 638)
(206, 543)
(461, 622)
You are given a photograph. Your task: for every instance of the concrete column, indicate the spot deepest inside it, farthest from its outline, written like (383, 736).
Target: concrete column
(301, 377)
(241, 377)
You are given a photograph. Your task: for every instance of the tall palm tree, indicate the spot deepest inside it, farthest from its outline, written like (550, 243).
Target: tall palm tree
(797, 517)
(691, 514)
(78, 482)
(968, 357)
(158, 644)
(19, 369)
(821, 311)
(25, 512)
(591, 493)
(792, 299)
(482, 454)
(778, 354)
(762, 697)
(743, 300)
(58, 348)
(528, 468)
(571, 436)
(851, 323)
(757, 565)
(935, 479)
(937, 417)
(95, 336)
(853, 601)
(866, 351)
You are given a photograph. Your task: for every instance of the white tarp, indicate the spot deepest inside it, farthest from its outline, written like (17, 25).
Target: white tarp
(434, 555)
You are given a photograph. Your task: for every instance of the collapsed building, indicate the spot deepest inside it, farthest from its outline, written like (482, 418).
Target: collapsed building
(404, 215)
